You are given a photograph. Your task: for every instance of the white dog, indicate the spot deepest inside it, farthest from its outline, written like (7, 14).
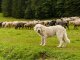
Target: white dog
(58, 30)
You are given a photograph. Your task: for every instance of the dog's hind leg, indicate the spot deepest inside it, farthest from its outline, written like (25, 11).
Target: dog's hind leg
(60, 43)
(66, 39)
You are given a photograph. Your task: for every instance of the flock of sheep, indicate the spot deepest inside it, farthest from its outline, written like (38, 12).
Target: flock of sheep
(21, 24)
(30, 24)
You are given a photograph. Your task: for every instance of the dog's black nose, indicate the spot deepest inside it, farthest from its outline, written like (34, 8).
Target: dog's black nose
(38, 31)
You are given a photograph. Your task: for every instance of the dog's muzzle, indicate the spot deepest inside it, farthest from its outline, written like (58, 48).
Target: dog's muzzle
(38, 31)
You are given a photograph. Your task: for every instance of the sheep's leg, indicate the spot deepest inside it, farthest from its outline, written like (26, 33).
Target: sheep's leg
(25, 27)
(75, 26)
(67, 26)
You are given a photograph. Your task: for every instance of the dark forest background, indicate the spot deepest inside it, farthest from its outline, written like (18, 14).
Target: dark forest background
(40, 9)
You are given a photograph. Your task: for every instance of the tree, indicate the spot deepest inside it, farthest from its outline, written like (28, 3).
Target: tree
(29, 12)
(0, 5)
(7, 7)
(18, 8)
(44, 10)
(40, 8)
(60, 8)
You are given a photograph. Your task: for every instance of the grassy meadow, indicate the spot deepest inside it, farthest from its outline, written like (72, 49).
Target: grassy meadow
(23, 44)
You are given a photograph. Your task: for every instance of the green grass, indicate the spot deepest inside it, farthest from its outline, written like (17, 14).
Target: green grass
(23, 44)
(11, 18)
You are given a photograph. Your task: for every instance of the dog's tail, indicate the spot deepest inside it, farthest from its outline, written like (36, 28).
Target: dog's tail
(66, 39)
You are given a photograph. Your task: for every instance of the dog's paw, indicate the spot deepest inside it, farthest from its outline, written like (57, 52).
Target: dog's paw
(59, 46)
(63, 46)
(43, 45)
(40, 44)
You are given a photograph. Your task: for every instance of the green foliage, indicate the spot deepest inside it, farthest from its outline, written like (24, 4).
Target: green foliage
(72, 8)
(40, 8)
(44, 10)
(0, 5)
(60, 8)
(7, 7)
(29, 12)
(18, 8)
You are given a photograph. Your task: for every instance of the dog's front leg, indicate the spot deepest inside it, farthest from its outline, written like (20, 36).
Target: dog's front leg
(43, 40)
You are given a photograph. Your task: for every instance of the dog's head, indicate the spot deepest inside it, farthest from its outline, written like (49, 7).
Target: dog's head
(38, 28)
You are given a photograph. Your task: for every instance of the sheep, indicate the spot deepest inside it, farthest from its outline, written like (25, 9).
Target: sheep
(3, 24)
(30, 24)
(19, 25)
(8, 24)
(76, 23)
(62, 22)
